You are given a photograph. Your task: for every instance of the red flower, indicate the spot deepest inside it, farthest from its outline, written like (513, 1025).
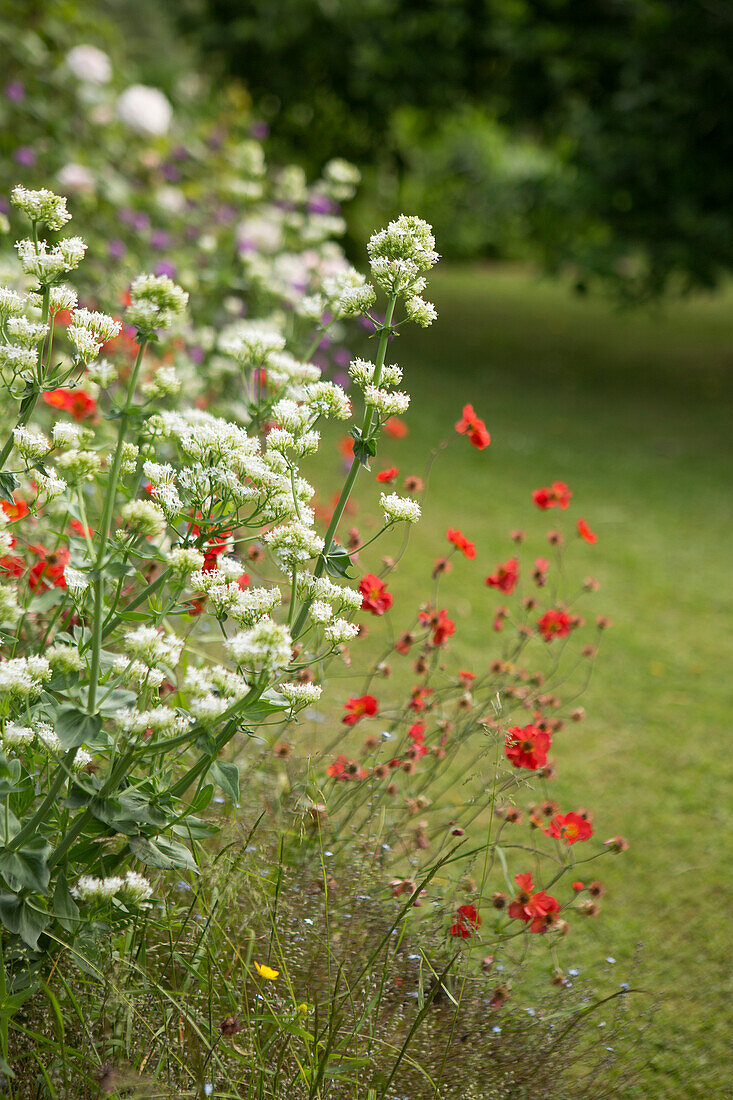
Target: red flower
(244, 581)
(49, 571)
(376, 597)
(76, 402)
(466, 677)
(554, 624)
(419, 697)
(556, 495)
(359, 707)
(395, 428)
(570, 827)
(539, 573)
(585, 532)
(538, 910)
(460, 541)
(527, 746)
(438, 621)
(468, 920)
(79, 529)
(388, 476)
(16, 510)
(506, 576)
(345, 446)
(416, 732)
(12, 565)
(472, 426)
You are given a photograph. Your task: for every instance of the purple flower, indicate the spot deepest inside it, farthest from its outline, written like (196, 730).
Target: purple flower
(259, 130)
(342, 380)
(320, 204)
(159, 238)
(197, 354)
(165, 268)
(117, 248)
(341, 357)
(171, 173)
(15, 91)
(25, 155)
(140, 220)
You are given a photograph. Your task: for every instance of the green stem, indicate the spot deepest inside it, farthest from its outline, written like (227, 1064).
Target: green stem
(41, 813)
(104, 530)
(354, 470)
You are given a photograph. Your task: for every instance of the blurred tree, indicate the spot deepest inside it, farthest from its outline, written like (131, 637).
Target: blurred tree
(630, 97)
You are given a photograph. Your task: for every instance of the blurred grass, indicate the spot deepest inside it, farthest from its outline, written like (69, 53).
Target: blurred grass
(633, 410)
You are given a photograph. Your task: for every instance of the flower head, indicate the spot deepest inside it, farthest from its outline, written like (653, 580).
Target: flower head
(472, 426)
(526, 747)
(376, 597)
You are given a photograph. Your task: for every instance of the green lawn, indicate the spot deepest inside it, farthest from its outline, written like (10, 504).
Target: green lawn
(633, 411)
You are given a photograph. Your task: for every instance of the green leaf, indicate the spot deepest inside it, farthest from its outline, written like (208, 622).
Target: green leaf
(8, 482)
(269, 703)
(10, 780)
(193, 828)
(117, 700)
(22, 919)
(65, 909)
(75, 728)
(338, 562)
(364, 448)
(162, 853)
(226, 776)
(28, 867)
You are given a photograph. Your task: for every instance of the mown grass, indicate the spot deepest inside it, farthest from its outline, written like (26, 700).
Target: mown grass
(633, 411)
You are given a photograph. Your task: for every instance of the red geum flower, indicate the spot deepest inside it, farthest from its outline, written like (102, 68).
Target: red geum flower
(419, 698)
(539, 573)
(554, 624)
(527, 747)
(505, 577)
(376, 598)
(460, 541)
(585, 532)
(49, 570)
(359, 707)
(80, 404)
(337, 770)
(416, 732)
(467, 921)
(537, 909)
(403, 643)
(556, 495)
(388, 476)
(472, 426)
(12, 565)
(16, 510)
(244, 580)
(570, 828)
(395, 428)
(466, 677)
(79, 529)
(345, 446)
(438, 621)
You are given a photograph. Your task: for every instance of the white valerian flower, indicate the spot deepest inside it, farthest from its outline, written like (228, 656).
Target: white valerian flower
(145, 110)
(102, 372)
(89, 888)
(400, 253)
(342, 177)
(9, 609)
(87, 348)
(65, 434)
(155, 303)
(23, 677)
(47, 264)
(163, 383)
(362, 371)
(321, 588)
(50, 485)
(386, 402)
(327, 399)
(89, 330)
(137, 672)
(89, 64)
(146, 516)
(153, 647)
(25, 332)
(76, 581)
(17, 359)
(47, 736)
(321, 611)
(136, 887)
(397, 508)
(340, 630)
(158, 719)
(421, 312)
(300, 695)
(251, 343)
(12, 304)
(31, 444)
(130, 453)
(79, 465)
(267, 645)
(14, 736)
(184, 560)
(41, 206)
(293, 544)
(357, 299)
(64, 658)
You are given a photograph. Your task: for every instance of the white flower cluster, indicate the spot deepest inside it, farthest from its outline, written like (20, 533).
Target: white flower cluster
(145, 516)
(301, 695)
(23, 677)
(246, 606)
(184, 560)
(293, 544)
(266, 647)
(48, 264)
(41, 206)
(251, 343)
(156, 302)
(89, 330)
(153, 647)
(397, 508)
(133, 887)
(158, 720)
(31, 444)
(19, 737)
(398, 256)
(211, 691)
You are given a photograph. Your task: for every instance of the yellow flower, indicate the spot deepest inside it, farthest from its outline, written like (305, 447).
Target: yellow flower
(266, 972)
